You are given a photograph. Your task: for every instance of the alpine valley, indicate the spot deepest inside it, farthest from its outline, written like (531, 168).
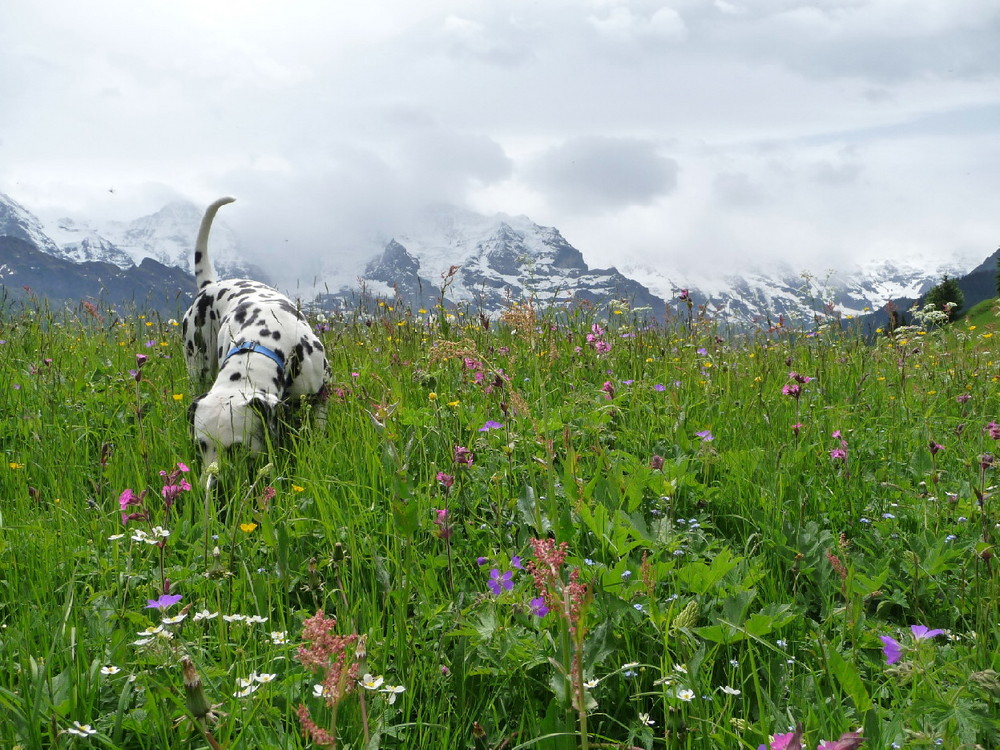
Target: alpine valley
(484, 261)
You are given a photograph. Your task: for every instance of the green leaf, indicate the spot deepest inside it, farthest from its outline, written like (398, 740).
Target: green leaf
(849, 680)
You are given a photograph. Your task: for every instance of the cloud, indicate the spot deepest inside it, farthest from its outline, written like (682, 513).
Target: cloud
(597, 173)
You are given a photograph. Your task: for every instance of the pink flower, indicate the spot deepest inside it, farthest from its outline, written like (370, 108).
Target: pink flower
(445, 480)
(838, 454)
(463, 456)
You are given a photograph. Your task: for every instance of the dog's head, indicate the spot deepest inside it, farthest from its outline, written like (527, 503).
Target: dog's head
(222, 420)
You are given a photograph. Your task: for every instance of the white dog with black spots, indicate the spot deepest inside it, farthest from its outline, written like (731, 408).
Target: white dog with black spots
(254, 352)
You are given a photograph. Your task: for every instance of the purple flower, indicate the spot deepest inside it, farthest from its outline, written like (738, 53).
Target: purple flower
(463, 456)
(935, 448)
(656, 462)
(491, 425)
(481, 561)
(538, 608)
(166, 600)
(500, 581)
(705, 435)
(921, 633)
(891, 649)
(963, 397)
(659, 387)
(515, 562)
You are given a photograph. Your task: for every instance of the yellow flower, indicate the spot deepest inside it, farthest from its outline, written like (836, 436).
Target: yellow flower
(14, 465)
(247, 527)
(432, 396)
(297, 488)
(422, 311)
(453, 403)
(177, 396)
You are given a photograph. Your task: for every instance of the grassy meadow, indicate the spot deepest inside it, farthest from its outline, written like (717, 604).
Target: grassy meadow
(560, 529)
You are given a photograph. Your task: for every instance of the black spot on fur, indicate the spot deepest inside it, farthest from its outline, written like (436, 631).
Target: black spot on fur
(236, 376)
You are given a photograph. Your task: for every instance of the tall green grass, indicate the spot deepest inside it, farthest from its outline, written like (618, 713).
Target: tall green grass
(733, 553)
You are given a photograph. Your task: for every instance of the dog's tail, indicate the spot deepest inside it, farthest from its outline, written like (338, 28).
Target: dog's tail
(204, 271)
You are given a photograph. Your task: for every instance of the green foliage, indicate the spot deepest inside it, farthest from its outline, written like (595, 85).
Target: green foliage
(735, 548)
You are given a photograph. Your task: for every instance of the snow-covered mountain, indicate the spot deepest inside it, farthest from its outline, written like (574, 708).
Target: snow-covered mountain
(490, 260)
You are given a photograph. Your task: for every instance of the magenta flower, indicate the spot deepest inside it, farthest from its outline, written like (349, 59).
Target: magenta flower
(921, 633)
(935, 448)
(963, 397)
(891, 648)
(463, 456)
(786, 741)
(445, 480)
(500, 581)
(792, 389)
(166, 600)
(796, 428)
(609, 390)
(847, 741)
(538, 608)
(441, 521)
(656, 462)
(838, 454)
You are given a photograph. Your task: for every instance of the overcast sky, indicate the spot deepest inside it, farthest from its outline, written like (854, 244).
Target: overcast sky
(688, 134)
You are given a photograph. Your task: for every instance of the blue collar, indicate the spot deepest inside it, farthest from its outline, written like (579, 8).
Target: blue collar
(253, 346)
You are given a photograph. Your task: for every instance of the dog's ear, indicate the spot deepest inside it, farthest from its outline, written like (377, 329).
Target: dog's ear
(269, 410)
(192, 409)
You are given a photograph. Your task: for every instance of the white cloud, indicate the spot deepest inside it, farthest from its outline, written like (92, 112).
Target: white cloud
(685, 131)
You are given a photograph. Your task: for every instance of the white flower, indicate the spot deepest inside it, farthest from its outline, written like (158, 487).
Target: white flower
(142, 642)
(234, 618)
(685, 694)
(160, 532)
(80, 730)
(392, 691)
(729, 690)
(279, 637)
(591, 684)
(115, 537)
(255, 618)
(204, 615)
(151, 630)
(139, 536)
(175, 619)
(371, 683)
(630, 665)
(248, 690)
(319, 691)
(644, 719)
(680, 668)
(110, 669)
(245, 682)
(263, 679)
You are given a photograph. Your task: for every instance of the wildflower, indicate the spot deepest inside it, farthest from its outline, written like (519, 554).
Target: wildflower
(255, 619)
(178, 618)
(644, 719)
(371, 683)
(591, 684)
(481, 561)
(838, 454)
(319, 691)
(110, 669)
(796, 428)
(463, 456)
(935, 448)
(705, 435)
(278, 637)
(729, 690)
(656, 463)
(538, 608)
(963, 397)
(248, 690)
(685, 694)
(921, 632)
(441, 521)
(166, 600)
(500, 581)
(786, 741)
(847, 741)
(792, 389)
(234, 618)
(445, 480)
(392, 691)
(80, 730)
(659, 387)
(891, 648)
(115, 537)
(204, 615)
(247, 528)
(515, 562)
(491, 425)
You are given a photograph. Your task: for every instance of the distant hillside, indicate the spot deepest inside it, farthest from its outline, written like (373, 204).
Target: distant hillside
(26, 271)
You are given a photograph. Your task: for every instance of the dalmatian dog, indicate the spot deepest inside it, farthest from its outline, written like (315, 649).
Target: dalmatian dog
(254, 353)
